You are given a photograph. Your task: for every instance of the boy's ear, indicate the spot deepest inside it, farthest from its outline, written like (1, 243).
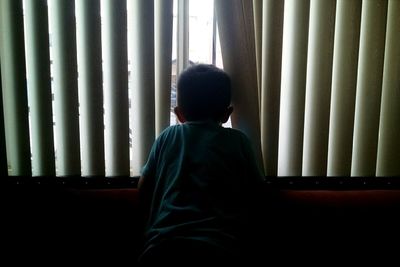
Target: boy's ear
(226, 115)
(179, 114)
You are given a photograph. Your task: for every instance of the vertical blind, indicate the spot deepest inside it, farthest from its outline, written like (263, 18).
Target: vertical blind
(89, 51)
(329, 83)
(39, 87)
(388, 163)
(344, 81)
(15, 99)
(64, 72)
(77, 53)
(369, 87)
(271, 52)
(293, 86)
(316, 84)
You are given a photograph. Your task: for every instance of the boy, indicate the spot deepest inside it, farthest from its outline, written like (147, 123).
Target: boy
(201, 180)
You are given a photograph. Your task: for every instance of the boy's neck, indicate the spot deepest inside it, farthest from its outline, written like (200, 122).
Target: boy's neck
(207, 121)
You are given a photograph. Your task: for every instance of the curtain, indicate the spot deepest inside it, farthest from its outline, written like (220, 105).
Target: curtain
(237, 34)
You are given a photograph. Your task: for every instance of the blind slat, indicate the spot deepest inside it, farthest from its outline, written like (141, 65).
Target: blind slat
(294, 66)
(141, 54)
(65, 86)
(14, 87)
(271, 82)
(344, 82)
(115, 74)
(182, 60)
(39, 87)
(163, 58)
(388, 163)
(90, 87)
(258, 29)
(318, 87)
(3, 151)
(369, 87)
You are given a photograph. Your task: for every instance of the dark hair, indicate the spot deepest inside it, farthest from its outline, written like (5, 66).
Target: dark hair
(204, 92)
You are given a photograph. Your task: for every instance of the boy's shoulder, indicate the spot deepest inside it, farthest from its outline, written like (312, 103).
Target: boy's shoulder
(169, 129)
(226, 132)
(236, 133)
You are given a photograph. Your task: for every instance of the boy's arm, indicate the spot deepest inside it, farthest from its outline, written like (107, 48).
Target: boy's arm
(146, 184)
(140, 183)
(255, 181)
(145, 196)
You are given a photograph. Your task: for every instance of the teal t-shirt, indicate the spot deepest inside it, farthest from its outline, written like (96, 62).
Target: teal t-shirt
(202, 176)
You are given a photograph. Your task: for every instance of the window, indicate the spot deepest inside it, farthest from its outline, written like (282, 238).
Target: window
(202, 43)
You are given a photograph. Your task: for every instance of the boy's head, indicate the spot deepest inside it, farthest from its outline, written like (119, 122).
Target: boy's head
(204, 93)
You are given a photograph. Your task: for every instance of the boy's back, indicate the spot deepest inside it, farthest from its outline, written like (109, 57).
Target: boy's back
(201, 175)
